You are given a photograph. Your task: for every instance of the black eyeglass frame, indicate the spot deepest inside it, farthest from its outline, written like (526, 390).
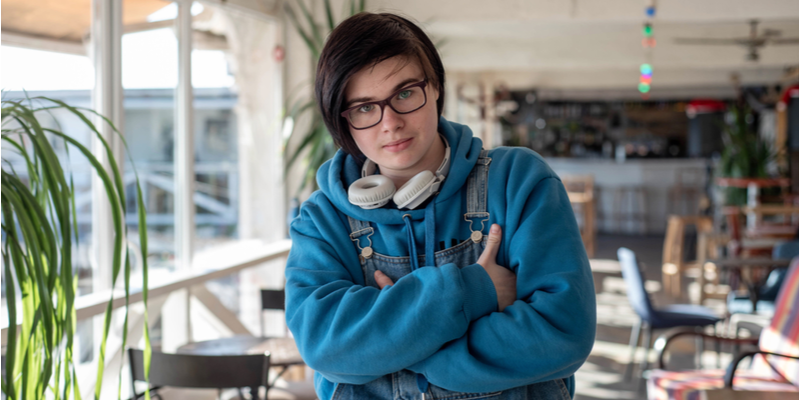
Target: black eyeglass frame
(383, 103)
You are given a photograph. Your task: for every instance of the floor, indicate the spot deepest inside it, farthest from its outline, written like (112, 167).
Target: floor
(601, 377)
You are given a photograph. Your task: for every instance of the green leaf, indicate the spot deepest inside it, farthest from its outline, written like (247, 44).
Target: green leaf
(329, 15)
(315, 33)
(38, 224)
(305, 36)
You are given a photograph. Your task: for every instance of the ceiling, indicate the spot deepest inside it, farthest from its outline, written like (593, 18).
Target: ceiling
(547, 44)
(594, 44)
(65, 20)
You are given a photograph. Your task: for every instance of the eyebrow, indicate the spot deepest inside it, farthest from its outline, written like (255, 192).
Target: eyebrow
(396, 88)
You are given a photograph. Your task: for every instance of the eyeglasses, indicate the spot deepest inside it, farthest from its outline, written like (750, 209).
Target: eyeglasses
(406, 100)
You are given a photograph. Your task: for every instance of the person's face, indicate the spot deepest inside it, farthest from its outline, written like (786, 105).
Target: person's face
(400, 144)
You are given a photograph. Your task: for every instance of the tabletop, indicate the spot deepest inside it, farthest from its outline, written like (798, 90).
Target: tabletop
(737, 262)
(283, 350)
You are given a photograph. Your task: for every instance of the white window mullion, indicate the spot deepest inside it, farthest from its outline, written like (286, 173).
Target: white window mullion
(106, 51)
(184, 141)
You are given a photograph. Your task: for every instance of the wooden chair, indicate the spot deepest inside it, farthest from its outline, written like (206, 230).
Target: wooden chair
(741, 243)
(580, 189)
(786, 228)
(674, 265)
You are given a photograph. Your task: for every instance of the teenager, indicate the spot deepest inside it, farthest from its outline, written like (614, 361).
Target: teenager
(426, 266)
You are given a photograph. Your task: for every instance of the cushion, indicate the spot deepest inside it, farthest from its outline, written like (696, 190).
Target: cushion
(688, 385)
(781, 335)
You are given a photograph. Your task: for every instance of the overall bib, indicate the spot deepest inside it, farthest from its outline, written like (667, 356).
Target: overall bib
(405, 384)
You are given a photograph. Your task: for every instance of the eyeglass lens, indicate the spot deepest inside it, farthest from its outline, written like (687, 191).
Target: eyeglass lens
(403, 102)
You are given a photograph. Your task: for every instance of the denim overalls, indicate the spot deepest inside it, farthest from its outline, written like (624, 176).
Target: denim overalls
(406, 384)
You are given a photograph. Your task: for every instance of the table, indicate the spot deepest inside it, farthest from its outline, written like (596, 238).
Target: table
(753, 185)
(283, 350)
(745, 268)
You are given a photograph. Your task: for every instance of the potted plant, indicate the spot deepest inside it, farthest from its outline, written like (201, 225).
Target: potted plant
(315, 138)
(745, 157)
(39, 232)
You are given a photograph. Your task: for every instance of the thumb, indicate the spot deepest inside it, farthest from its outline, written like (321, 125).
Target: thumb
(492, 244)
(382, 280)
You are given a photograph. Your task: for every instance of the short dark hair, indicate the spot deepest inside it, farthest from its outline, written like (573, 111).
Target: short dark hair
(364, 40)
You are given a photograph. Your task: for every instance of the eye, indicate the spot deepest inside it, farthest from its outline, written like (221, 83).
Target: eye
(404, 94)
(366, 108)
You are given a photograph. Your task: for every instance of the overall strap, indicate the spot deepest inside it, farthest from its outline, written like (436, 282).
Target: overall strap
(360, 228)
(477, 187)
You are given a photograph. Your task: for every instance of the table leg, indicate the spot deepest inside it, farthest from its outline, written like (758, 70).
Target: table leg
(702, 251)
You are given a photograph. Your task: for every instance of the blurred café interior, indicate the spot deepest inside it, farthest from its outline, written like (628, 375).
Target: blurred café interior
(672, 124)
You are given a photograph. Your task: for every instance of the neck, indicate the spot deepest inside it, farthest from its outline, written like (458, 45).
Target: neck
(430, 162)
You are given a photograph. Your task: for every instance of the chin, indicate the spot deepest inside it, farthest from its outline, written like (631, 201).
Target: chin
(399, 162)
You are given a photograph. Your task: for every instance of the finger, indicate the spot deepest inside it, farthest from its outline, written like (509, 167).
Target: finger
(382, 280)
(492, 244)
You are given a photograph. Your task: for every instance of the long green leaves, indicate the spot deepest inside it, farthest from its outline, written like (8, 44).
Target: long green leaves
(38, 221)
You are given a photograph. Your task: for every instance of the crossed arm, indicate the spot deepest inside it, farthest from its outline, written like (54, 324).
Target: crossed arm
(435, 321)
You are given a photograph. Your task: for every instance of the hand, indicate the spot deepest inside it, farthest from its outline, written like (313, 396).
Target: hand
(382, 279)
(505, 282)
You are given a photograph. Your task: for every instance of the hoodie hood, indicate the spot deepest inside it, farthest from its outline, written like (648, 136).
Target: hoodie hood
(335, 176)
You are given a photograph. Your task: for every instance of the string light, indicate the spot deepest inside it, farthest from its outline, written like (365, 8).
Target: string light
(648, 43)
(647, 30)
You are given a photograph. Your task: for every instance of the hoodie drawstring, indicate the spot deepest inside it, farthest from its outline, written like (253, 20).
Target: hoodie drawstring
(430, 233)
(412, 249)
(430, 239)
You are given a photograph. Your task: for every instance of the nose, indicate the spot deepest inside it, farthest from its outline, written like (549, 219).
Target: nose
(391, 120)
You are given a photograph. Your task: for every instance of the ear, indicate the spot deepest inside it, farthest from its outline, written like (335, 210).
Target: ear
(434, 92)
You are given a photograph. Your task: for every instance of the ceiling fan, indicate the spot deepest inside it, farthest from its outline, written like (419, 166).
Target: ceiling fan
(753, 42)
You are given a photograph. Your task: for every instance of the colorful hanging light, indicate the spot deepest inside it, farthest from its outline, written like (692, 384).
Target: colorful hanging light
(648, 43)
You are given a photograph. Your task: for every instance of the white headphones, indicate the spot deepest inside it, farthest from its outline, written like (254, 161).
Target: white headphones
(373, 191)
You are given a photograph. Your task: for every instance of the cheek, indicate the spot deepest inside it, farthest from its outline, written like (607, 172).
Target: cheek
(361, 138)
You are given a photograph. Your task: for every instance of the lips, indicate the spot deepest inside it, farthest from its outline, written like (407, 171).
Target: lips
(395, 143)
(398, 145)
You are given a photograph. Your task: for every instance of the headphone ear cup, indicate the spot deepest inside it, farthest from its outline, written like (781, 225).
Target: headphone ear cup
(371, 192)
(408, 193)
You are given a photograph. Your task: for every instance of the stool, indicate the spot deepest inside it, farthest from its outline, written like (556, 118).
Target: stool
(685, 194)
(673, 264)
(708, 248)
(580, 189)
(626, 198)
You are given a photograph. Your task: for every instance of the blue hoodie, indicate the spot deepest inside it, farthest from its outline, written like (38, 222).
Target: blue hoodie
(442, 322)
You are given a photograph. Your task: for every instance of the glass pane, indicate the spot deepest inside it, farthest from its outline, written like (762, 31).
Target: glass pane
(68, 78)
(149, 77)
(215, 127)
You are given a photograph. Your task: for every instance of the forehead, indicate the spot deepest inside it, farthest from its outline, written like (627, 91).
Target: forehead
(382, 78)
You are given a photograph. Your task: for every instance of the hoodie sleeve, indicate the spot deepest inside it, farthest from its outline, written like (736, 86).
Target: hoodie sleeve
(549, 331)
(352, 333)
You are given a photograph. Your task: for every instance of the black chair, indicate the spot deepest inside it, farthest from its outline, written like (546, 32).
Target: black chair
(742, 303)
(651, 318)
(196, 371)
(271, 300)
